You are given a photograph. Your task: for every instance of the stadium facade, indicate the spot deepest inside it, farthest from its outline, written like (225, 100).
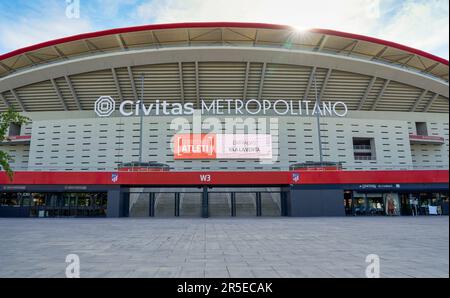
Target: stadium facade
(222, 119)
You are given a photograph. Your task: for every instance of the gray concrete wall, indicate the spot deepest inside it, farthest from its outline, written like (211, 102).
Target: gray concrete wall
(115, 204)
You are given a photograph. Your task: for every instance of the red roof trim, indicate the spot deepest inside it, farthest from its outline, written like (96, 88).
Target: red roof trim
(217, 24)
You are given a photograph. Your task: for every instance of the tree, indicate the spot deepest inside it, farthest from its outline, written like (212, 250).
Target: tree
(6, 119)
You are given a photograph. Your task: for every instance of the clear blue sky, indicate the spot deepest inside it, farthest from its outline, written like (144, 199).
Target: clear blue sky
(423, 24)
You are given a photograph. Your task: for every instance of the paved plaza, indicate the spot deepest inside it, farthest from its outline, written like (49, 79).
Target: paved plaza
(228, 247)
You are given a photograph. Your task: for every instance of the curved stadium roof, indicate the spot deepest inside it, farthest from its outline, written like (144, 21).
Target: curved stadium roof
(57, 91)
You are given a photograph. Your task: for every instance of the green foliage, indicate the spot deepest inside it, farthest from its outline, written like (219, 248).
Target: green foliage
(6, 118)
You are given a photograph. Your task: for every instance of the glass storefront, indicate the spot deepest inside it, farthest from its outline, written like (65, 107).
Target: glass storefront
(359, 203)
(58, 204)
(394, 204)
(375, 204)
(444, 203)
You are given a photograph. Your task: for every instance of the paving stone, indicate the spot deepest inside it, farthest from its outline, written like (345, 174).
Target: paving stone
(226, 247)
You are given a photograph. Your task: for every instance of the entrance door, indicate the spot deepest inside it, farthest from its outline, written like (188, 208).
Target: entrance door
(271, 204)
(165, 204)
(245, 204)
(219, 204)
(190, 204)
(139, 205)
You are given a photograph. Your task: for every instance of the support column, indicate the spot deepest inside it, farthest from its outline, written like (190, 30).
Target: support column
(233, 204)
(283, 203)
(151, 204)
(118, 203)
(177, 204)
(205, 213)
(258, 204)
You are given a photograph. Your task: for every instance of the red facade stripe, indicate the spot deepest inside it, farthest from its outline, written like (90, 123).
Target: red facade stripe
(218, 24)
(225, 178)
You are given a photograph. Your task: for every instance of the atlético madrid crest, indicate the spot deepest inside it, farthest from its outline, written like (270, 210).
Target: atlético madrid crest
(296, 177)
(114, 177)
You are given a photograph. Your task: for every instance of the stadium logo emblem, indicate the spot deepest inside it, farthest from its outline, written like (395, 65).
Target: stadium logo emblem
(114, 177)
(105, 106)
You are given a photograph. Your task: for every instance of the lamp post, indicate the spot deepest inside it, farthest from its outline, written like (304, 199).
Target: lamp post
(319, 134)
(141, 124)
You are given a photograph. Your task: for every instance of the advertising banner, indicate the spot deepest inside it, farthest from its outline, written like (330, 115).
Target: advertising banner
(222, 146)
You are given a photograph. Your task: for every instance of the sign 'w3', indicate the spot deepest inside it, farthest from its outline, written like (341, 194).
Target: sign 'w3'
(205, 178)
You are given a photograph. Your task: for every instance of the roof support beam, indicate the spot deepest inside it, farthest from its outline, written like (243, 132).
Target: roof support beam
(353, 48)
(5, 102)
(430, 68)
(59, 52)
(380, 95)
(380, 53)
(205, 33)
(396, 57)
(325, 83)
(86, 44)
(90, 45)
(180, 75)
(430, 103)
(121, 42)
(155, 39)
(240, 34)
(408, 60)
(72, 90)
(133, 84)
(419, 99)
(421, 61)
(5, 67)
(116, 82)
(255, 41)
(17, 98)
(247, 73)
(323, 40)
(261, 82)
(35, 57)
(25, 55)
(16, 60)
(60, 97)
(197, 85)
(310, 82)
(351, 45)
(366, 93)
(188, 34)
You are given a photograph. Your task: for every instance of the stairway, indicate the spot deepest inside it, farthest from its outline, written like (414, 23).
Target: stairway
(270, 204)
(139, 205)
(190, 204)
(219, 204)
(245, 204)
(164, 204)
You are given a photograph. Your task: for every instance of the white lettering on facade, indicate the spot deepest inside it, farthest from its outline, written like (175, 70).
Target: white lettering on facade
(224, 107)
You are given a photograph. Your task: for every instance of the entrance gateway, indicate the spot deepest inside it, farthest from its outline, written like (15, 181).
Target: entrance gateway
(205, 202)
